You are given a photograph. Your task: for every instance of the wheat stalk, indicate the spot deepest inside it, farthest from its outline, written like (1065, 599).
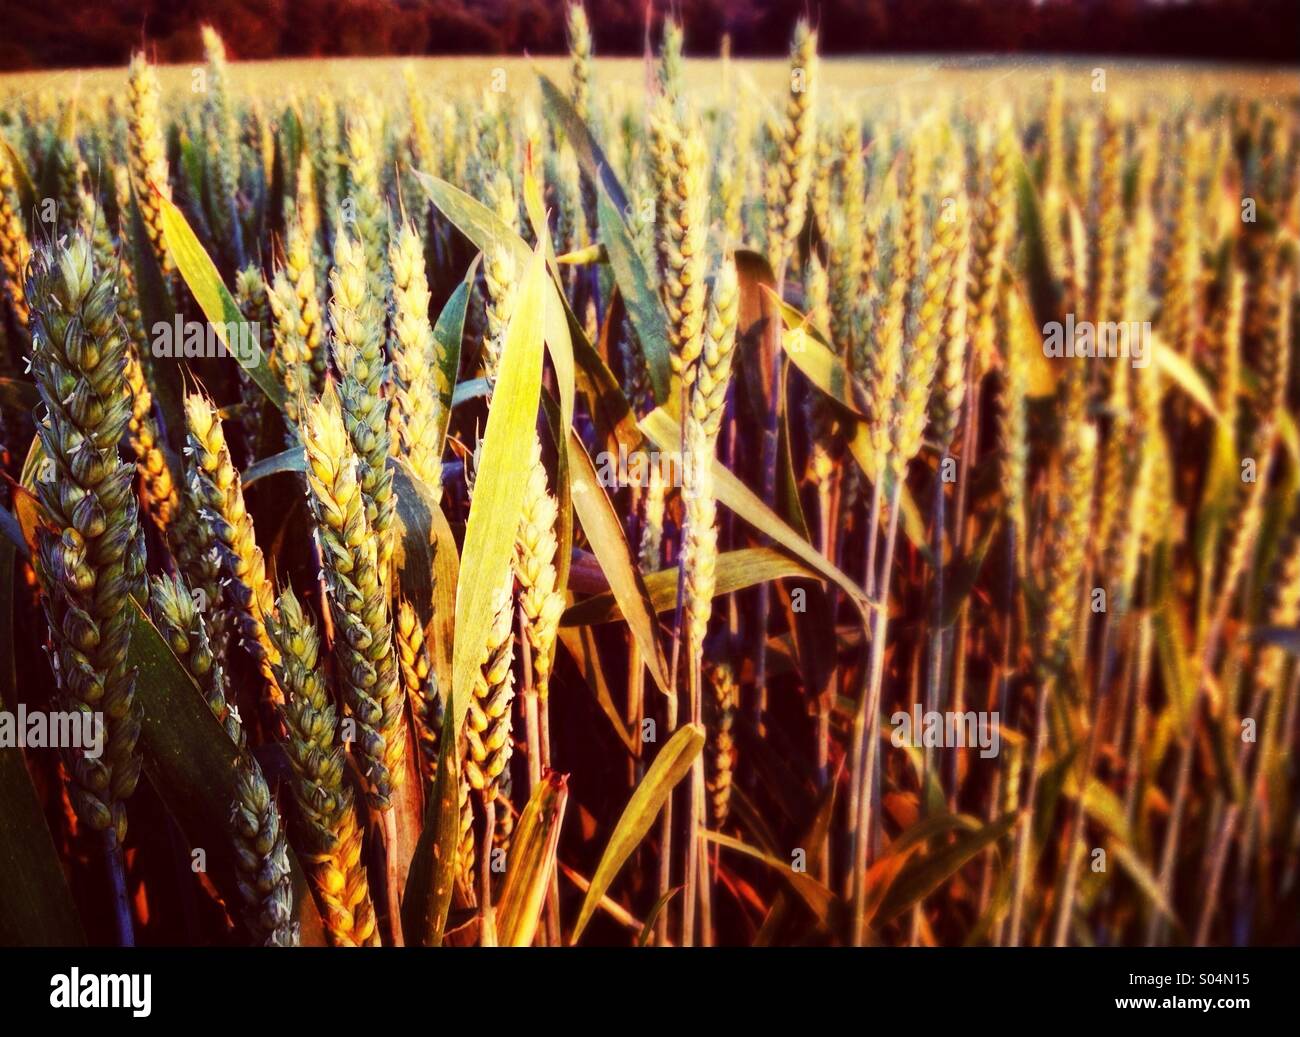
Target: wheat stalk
(700, 536)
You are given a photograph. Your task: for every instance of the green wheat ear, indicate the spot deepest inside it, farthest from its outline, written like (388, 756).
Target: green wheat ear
(332, 838)
(416, 382)
(357, 318)
(359, 601)
(90, 555)
(219, 495)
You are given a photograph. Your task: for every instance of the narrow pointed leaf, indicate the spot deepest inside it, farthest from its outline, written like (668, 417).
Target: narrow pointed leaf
(930, 872)
(810, 351)
(605, 535)
(644, 309)
(663, 431)
(532, 862)
(449, 331)
(736, 570)
(503, 466)
(218, 305)
(669, 767)
(820, 900)
(291, 460)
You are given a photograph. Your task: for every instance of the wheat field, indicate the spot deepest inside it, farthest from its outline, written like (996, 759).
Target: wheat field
(668, 502)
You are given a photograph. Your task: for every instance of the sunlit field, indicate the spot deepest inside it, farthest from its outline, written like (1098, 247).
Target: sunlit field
(669, 502)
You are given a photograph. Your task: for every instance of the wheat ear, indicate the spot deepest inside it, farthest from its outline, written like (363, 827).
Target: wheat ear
(366, 193)
(790, 175)
(90, 554)
(15, 249)
(990, 241)
(219, 495)
(177, 616)
(363, 645)
(720, 715)
(681, 230)
(420, 684)
(488, 726)
(356, 315)
(222, 135)
(333, 838)
(579, 36)
(290, 359)
(417, 379)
